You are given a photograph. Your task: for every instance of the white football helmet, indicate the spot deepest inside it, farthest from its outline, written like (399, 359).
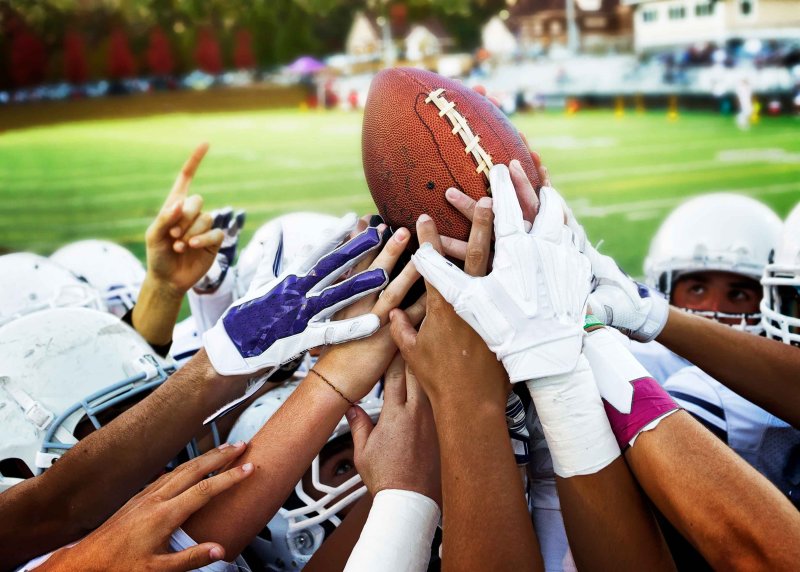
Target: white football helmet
(29, 283)
(780, 305)
(284, 239)
(62, 372)
(716, 232)
(108, 267)
(302, 524)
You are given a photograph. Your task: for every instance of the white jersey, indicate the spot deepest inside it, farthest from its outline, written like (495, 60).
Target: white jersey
(769, 444)
(186, 341)
(660, 362)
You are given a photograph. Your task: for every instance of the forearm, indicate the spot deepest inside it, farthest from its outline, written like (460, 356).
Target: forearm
(156, 311)
(487, 525)
(610, 500)
(105, 469)
(398, 533)
(336, 550)
(758, 369)
(595, 487)
(728, 511)
(281, 452)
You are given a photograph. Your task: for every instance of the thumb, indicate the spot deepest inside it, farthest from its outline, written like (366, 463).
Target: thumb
(360, 428)
(193, 557)
(403, 333)
(165, 220)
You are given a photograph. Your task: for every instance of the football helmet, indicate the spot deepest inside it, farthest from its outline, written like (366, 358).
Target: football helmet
(63, 373)
(780, 306)
(721, 232)
(30, 283)
(303, 522)
(284, 239)
(110, 268)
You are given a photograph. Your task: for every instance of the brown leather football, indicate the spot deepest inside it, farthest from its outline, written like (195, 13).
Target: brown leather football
(424, 133)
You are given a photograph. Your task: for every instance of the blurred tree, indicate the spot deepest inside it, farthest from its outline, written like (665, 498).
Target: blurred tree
(76, 68)
(159, 53)
(121, 63)
(206, 54)
(28, 58)
(243, 57)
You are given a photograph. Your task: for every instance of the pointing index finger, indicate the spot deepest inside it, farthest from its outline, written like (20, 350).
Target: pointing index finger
(181, 186)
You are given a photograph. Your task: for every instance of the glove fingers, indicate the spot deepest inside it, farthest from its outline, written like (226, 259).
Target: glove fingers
(222, 217)
(238, 221)
(333, 238)
(549, 223)
(340, 331)
(333, 298)
(336, 263)
(507, 212)
(442, 275)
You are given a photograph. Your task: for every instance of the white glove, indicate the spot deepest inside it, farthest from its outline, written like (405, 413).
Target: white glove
(618, 301)
(530, 309)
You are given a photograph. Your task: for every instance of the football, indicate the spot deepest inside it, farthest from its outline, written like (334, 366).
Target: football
(424, 133)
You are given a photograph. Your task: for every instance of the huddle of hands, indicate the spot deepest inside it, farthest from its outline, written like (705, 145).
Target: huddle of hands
(514, 313)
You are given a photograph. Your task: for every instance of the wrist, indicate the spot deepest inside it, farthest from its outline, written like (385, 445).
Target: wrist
(162, 288)
(574, 421)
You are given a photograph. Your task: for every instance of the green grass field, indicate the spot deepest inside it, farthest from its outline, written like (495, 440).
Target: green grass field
(621, 175)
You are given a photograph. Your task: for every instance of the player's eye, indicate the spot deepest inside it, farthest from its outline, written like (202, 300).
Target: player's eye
(343, 467)
(739, 296)
(697, 289)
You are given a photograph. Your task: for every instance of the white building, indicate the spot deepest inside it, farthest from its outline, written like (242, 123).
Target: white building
(670, 23)
(497, 39)
(421, 43)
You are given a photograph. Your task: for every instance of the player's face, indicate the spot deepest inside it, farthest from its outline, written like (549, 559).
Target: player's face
(336, 466)
(722, 292)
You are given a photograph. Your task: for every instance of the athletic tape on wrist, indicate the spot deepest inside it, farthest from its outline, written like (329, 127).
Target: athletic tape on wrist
(650, 405)
(574, 421)
(397, 535)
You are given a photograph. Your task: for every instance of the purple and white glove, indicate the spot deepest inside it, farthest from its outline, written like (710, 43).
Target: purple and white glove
(282, 317)
(231, 224)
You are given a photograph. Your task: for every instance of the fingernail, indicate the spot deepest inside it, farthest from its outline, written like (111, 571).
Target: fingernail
(485, 202)
(224, 446)
(350, 414)
(194, 242)
(515, 164)
(451, 193)
(401, 234)
(216, 553)
(423, 218)
(239, 444)
(175, 231)
(527, 225)
(247, 468)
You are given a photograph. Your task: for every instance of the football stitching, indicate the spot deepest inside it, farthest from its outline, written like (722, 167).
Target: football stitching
(462, 129)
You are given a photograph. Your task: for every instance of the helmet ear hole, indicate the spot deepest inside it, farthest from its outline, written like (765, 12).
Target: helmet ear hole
(15, 469)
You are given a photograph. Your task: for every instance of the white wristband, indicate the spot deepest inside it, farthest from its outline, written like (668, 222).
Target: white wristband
(614, 367)
(397, 535)
(574, 421)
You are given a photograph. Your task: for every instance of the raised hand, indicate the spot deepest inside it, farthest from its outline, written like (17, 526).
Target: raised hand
(181, 245)
(281, 317)
(137, 536)
(401, 451)
(530, 308)
(231, 224)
